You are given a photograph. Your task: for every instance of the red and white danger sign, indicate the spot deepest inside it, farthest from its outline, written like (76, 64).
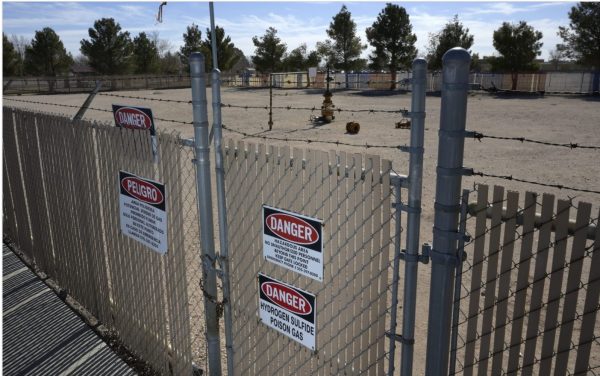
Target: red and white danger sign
(142, 211)
(288, 310)
(293, 241)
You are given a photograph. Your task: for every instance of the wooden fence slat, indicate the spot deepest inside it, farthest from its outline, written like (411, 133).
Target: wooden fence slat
(478, 257)
(365, 251)
(357, 258)
(374, 260)
(506, 266)
(527, 233)
(343, 337)
(573, 283)
(490, 281)
(555, 288)
(537, 289)
(590, 310)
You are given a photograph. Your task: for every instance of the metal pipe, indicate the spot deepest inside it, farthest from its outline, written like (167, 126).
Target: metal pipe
(396, 275)
(455, 84)
(203, 185)
(88, 101)
(221, 199)
(538, 223)
(415, 182)
(458, 281)
(270, 101)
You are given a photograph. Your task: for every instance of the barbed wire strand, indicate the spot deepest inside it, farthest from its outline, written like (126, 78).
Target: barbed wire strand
(511, 178)
(315, 108)
(90, 108)
(403, 148)
(479, 136)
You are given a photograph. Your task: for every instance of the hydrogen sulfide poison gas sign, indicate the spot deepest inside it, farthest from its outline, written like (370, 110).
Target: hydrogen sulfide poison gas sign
(288, 310)
(138, 118)
(293, 241)
(142, 210)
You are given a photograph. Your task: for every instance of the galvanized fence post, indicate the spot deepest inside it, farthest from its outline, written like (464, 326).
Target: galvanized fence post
(203, 186)
(397, 184)
(413, 209)
(458, 279)
(444, 258)
(221, 203)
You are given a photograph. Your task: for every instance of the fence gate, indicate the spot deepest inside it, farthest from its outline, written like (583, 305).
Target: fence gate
(351, 196)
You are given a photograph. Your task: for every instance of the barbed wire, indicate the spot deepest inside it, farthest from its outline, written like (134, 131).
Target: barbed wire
(265, 82)
(511, 178)
(315, 108)
(264, 107)
(143, 98)
(404, 148)
(90, 108)
(479, 136)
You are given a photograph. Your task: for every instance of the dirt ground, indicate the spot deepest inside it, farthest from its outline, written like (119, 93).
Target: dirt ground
(558, 119)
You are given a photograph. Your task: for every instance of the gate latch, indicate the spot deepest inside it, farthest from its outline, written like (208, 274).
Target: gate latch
(422, 258)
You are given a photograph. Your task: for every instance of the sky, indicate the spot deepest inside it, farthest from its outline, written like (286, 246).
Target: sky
(296, 22)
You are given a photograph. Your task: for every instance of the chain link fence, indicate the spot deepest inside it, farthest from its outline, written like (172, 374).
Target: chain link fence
(530, 285)
(61, 202)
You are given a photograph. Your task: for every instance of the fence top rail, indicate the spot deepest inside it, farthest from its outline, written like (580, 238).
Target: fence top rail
(572, 227)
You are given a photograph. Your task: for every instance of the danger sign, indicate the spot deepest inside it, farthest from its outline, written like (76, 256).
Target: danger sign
(138, 118)
(293, 241)
(142, 209)
(288, 310)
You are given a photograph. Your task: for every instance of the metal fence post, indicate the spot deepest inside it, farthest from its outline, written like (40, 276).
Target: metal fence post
(221, 203)
(455, 82)
(458, 280)
(415, 181)
(396, 273)
(203, 184)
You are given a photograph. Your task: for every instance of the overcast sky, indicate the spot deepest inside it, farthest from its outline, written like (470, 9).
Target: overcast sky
(296, 22)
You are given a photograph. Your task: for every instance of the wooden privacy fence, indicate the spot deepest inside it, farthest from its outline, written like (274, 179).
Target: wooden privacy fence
(530, 288)
(61, 207)
(351, 195)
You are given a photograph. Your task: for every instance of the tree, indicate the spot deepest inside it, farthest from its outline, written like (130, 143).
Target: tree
(109, 50)
(162, 45)
(556, 57)
(582, 37)
(268, 52)
(391, 36)
(170, 63)
(10, 57)
(192, 42)
(326, 52)
(47, 55)
(20, 43)
(345, 48)
(454, 34)
(242, 62)
(518, 45)
(145, 54)
(226, 54)
(299, 59)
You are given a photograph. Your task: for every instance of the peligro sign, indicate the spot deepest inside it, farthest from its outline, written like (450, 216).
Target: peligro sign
(142, 210)
(288, 310)
(142, 190)
(293, 241)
